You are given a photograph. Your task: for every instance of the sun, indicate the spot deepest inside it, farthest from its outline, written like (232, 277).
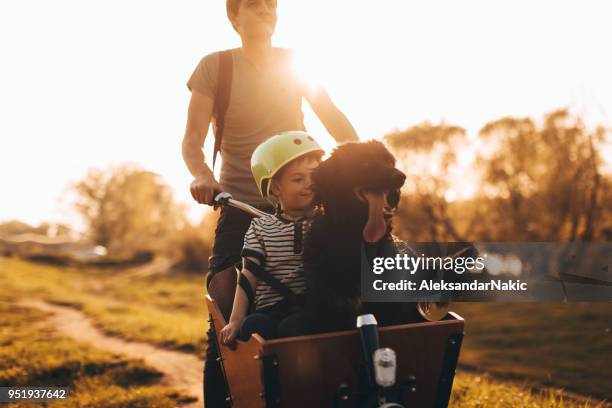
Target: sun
(310, 73)
(308, 70)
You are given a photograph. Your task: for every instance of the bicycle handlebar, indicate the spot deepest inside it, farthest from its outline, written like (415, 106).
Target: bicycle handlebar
(223, 198)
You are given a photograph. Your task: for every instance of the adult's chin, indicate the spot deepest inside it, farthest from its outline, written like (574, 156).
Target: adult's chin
(262, 31)
(267, 29)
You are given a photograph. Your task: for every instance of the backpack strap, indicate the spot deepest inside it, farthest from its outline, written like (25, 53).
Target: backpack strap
(274, 283)
(224, 87)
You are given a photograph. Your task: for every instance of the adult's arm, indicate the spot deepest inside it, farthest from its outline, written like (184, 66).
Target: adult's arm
(198, 120)
(332, 118)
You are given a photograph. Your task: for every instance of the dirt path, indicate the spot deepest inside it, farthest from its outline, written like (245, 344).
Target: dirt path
(181, 370)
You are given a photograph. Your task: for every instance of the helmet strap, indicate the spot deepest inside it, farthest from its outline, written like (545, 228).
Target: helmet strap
(294, 213)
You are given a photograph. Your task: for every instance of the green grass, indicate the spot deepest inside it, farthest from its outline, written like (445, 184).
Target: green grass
(165, 310)
(526, 347)
(563, 345)
(476, 391)
(32, 354)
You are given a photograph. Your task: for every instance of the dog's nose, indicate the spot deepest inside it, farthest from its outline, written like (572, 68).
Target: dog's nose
(398, 178)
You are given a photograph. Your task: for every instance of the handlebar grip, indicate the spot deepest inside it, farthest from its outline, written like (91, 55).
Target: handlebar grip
(220, 198)
(215, 204)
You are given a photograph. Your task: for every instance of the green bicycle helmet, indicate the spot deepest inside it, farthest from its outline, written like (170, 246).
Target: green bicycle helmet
(270, 156)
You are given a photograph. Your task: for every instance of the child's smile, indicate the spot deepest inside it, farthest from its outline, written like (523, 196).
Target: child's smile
(293, 186)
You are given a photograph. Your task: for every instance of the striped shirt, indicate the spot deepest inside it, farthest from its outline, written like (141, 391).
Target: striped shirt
(277, 244)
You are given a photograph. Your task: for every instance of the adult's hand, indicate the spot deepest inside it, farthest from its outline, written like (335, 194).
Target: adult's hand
(203, 189)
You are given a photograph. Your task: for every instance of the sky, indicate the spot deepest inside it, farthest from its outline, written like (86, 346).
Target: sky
(89, 84)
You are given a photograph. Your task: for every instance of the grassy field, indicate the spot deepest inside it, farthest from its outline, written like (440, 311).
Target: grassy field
(532, 350)
(164, 310)
(477, 391)
(34, 355)
(563, 345)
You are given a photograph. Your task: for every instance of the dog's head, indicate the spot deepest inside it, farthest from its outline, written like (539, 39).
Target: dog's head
(353, 176)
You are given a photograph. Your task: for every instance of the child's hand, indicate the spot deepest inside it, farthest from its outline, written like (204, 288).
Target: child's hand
(229, 332)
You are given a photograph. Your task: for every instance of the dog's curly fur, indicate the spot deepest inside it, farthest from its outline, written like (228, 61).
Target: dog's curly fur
(332, 252)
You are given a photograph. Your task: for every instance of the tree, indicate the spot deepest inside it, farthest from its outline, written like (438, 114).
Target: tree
(537, 182)
(428, 155)
(127, 209)
(195, 243)
(546, 181)
(15, 227)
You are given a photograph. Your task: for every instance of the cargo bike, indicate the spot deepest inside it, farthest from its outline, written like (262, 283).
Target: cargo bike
(407, 365)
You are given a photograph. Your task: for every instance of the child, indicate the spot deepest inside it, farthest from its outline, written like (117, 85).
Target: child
(272, 276)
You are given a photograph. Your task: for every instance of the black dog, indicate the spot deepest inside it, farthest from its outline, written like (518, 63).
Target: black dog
(356, 190)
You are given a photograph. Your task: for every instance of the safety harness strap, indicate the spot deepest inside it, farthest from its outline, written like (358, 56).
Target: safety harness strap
(274, 283)
(246, 286)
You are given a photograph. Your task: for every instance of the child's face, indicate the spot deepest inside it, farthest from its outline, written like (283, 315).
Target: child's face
(293, 187)
(255, 18)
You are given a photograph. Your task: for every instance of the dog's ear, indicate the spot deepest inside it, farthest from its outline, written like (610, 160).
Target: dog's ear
(323, 182)
(331, 177)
